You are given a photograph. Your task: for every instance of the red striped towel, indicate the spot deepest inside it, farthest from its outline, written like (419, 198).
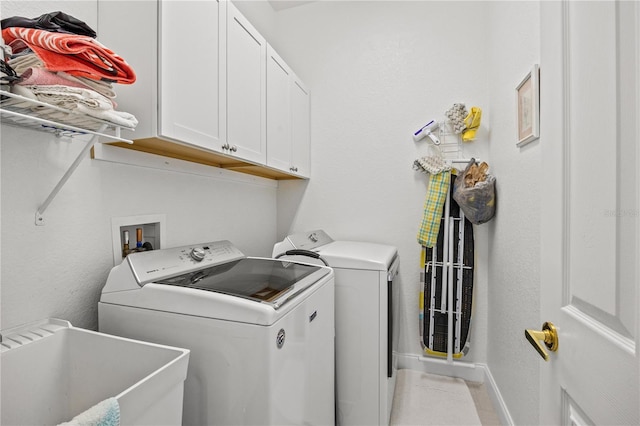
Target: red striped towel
(77, 55)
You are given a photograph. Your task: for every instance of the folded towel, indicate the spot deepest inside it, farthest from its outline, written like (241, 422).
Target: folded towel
(456, 115)
(79, 101)
(39, 76)
(433, 205)
(53, 21)
(75, 54)
(472, 123)
(34, 76)
(433, 164)
(85, 102)
(27, 59)
(103, 87)
(105, 413)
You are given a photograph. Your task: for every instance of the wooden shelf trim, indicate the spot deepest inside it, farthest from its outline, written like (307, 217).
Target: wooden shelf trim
(188, 153)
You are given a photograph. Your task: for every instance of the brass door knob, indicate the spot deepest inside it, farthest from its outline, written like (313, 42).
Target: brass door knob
(549, 335)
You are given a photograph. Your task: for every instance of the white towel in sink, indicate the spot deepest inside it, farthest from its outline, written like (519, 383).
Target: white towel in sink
(105, 413)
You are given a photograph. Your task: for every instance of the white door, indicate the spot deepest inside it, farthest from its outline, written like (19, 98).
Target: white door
(590, 267)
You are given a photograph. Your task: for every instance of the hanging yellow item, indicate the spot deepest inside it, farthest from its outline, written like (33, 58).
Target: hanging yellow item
(472, 123)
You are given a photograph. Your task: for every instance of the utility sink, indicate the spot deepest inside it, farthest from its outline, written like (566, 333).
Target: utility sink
(51, 372)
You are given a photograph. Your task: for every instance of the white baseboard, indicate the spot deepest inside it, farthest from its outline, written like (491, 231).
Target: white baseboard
(496, 398)
(461, 369)
(470, 371)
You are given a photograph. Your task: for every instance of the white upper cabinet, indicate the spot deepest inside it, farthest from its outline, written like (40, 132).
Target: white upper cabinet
(279, 112)
(177, 49)
(300, 129)
(287, 118)
(131, 30)
(191, 72)
(246, 88)
(201, 89)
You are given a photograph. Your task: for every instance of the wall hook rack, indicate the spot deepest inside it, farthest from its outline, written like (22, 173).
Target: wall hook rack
(442, 137)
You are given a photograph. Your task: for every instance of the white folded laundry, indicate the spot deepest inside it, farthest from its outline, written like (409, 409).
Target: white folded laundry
(80, 102)
(66, 96)
(102, 87)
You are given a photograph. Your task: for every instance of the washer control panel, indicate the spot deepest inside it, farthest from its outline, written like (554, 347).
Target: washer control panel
(149, 266)
(198, 254)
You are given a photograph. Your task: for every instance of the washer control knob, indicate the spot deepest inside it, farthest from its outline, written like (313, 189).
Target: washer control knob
(197, 254)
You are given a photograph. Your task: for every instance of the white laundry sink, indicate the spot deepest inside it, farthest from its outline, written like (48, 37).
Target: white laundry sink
(51, 372)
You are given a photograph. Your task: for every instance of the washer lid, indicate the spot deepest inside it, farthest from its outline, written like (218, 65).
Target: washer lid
(260, 280)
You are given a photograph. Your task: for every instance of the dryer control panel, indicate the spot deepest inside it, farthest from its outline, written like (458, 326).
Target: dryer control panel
(149, 266)
(305, 241)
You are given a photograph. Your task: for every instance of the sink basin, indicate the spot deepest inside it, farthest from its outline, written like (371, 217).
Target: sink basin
(51, 372)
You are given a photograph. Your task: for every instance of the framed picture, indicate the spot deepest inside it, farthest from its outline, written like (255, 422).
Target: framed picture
(528, 98)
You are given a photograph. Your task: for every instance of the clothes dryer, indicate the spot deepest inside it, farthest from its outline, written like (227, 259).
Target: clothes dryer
(365, 320)
(260, 331)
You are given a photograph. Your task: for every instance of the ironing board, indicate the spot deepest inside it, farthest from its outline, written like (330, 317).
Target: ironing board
(448, 267)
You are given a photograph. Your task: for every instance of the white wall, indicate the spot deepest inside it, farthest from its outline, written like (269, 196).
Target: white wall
(378, 71)
(58, 270)
(514, 244)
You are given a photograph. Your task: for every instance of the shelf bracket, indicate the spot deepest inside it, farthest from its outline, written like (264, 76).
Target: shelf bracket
(82, 155)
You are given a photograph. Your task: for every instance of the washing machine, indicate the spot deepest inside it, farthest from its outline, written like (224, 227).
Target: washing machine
(365, 320)
(260, 331)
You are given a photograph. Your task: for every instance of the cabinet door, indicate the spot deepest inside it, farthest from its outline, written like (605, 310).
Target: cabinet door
(300, 130)
(191, 85)
(246, 88)
(278, 112)
(130, 29)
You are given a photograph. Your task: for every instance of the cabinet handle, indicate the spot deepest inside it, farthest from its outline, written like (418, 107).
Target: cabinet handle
(234, 148)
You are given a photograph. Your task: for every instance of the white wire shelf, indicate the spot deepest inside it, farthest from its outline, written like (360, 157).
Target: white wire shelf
(29, 113)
